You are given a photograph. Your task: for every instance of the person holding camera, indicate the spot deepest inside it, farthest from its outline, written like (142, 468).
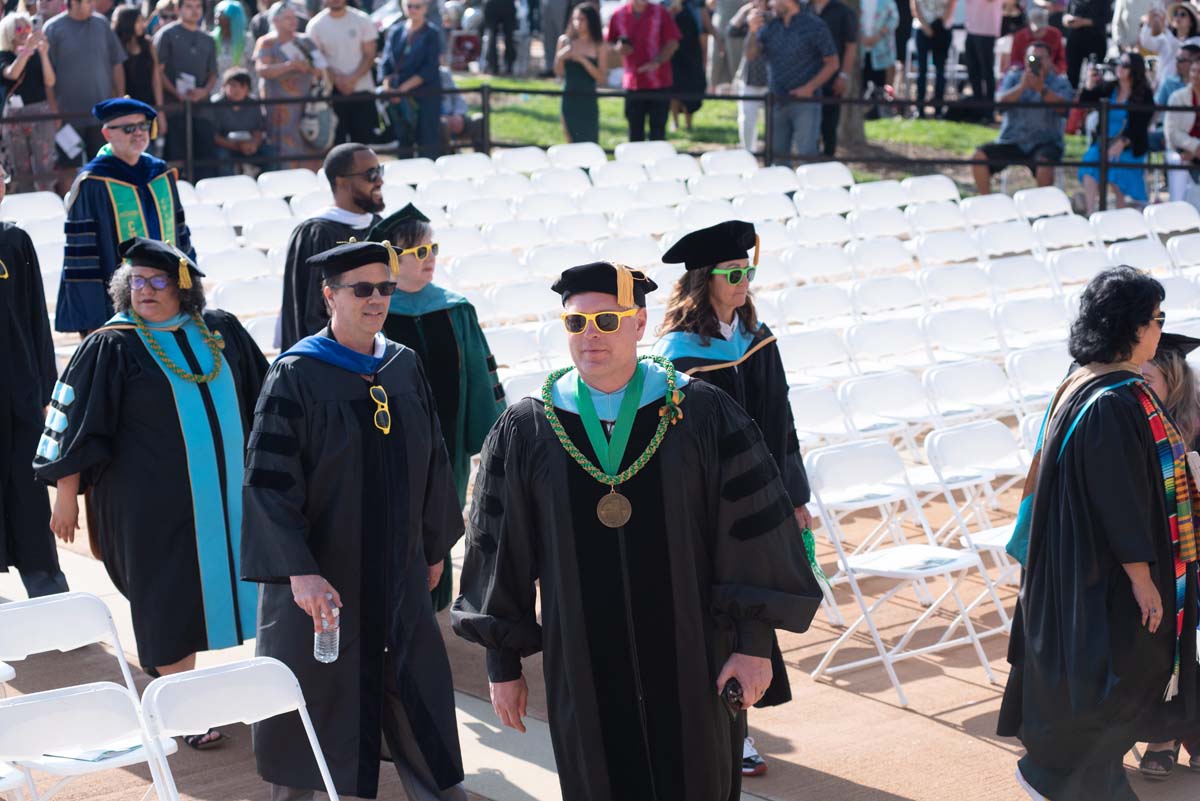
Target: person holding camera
(1128, 134)
(646, 36)
(1032, 136)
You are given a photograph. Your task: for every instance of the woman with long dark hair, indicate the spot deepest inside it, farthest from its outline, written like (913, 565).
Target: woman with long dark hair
(143, 81)
(712, 332)
(1165, 33)
(581, 60)
(1127, 135)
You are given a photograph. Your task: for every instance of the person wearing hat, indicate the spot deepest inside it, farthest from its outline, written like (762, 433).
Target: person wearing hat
(1178, 722)
(356, 180)
(443, 329)
(1165, 32)
(712, 332)
(27, 374)
(150, 418)
(350, 506)
(121, 194)
(648, 510)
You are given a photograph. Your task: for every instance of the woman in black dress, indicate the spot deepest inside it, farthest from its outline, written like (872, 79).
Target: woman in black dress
(687, 65)
(142, 78)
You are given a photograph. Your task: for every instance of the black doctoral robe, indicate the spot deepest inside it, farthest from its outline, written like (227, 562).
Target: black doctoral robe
(27, 374)
(328, 493)
(712, 561)
(123, 436)
(1085, 672)
(303, 311)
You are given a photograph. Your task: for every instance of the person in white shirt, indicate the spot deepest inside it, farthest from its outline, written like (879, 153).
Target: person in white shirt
(346, 37)
(1182, 130)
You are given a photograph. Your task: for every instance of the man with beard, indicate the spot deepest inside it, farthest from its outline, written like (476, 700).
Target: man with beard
(356, 179)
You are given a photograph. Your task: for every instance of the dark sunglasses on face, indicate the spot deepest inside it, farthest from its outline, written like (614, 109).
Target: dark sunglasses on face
(1161, 319)
(383, 416)
(1181, 13)
(157, 282)
(734, 275)
(372, 175)
(129, 129)
(364, 289)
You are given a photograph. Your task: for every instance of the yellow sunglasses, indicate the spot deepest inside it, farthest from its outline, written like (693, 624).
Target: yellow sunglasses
(383, 417)
(606, 322)
(422, 252)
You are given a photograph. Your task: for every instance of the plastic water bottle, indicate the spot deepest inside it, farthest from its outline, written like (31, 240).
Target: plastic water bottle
(327, 641)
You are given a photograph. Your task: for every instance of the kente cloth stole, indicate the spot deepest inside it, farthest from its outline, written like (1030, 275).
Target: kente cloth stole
(1178, 487)
(130, 217)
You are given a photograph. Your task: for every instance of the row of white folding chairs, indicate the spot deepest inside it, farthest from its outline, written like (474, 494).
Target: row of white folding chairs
(41, 732)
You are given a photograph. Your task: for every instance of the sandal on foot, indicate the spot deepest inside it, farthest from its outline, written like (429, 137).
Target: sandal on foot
(1157, 765)
(209, 739)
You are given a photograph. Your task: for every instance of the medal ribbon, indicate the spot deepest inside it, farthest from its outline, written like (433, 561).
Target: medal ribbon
(610, 452)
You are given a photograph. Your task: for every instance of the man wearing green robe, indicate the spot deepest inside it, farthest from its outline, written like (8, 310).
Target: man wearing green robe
(442, 327)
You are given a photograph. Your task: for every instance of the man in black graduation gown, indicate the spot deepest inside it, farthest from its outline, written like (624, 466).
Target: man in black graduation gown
(665, 564)
(356, 178)
(27, 375)
(349, 502)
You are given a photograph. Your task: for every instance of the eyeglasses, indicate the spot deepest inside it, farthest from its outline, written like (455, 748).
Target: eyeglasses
(1124, 64)
(1179, 12)
(364, 289)
(372, 174)
(422, 252)
(383, 417)
(734, 274)
(606, 322)
(156, 282)
(1161, 319)
(132, 127)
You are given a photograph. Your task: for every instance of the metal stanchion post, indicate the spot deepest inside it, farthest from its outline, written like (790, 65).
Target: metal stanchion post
(1103, 154)
(485, 98)
(768, 129)
(189, 155)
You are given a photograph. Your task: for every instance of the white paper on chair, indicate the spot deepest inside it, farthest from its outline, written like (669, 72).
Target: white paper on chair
(100, 754)
(69, 140)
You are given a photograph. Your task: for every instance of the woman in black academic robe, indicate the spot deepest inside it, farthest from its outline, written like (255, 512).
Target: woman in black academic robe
(712, 332)
(1094, 636)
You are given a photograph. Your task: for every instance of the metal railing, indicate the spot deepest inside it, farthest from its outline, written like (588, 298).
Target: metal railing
(490, 104)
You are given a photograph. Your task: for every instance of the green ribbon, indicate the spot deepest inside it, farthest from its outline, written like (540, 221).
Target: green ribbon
(810, 546)
(609, 453)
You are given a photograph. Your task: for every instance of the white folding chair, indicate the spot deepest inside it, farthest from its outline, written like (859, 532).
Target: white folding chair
(645, 221)
(887, 194)
(520, 301)
(818, 416)
(455, 240)
(504, 185)
(550, 260)
(824, 200)
(196, 215)
(632, 251)
(1005, 238)
(479, 211)
(397, 196)
(1147, 255)
(644, 153)
(227, 189)
(936, 216)
(560, 179)
(1066, 231)
(817, 306)
(881, 254)
(617, 173)
(1036, 372)
(287, 183)
(187, 193)
(963, 333)
(1183, 297)
(955, 286)
(1031, 428)
(1020, 275)
(516, 235)
(764, 206)
(266, 234)
(880, 345)
(581, 227)
(1166, 219)
(12, 781)
(607, 199)
(972, 387)
(485, 268)
(240, 213)
(524, 385)
(1045, 201)
(262, 331)
(545, 205)
(814, 357)
(309, 204)
(923, 189)
(947, 247)
(824, 174)
(728, 162)
(444, 191)
(772, 179)
(1185, 251)
(827, 229)
(464, 165)
(1118, 225)
(774, 236)
(892, 404)
(817, 263)
(1026, 322)
(887, 296)
(410, 171)
(678, 167)
(857, 476)
(514, 347)
(661, 193)
(583, 155)
(241, 692)
(701, 212)
(890, 222)
(23, 207)
(249, 296)
(990, 209)
(1077, 265)
(523, 160)
(233, 263)
(209, 238)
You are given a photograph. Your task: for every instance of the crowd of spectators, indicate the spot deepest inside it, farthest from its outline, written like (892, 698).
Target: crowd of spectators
(332, 57)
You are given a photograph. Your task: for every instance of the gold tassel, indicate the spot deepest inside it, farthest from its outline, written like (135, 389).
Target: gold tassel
(393, 259)
(153, 129)
(185, 275)
(757, 245)
(624, 286)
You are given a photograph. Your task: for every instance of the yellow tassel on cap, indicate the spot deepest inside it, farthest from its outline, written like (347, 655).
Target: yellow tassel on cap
(757, 245)
(393, 259)
(624, 286)
(185, 275)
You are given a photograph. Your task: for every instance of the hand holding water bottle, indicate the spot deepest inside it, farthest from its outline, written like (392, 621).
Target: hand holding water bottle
(316, 597)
